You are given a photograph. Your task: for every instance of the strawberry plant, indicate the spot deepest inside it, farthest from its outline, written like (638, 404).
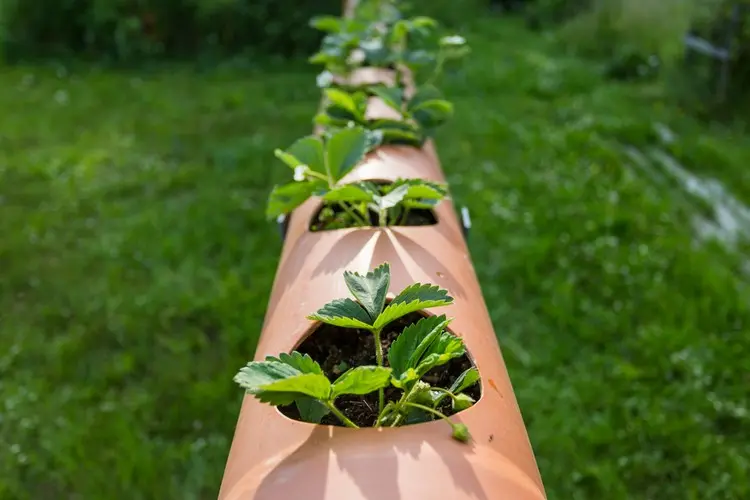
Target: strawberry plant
(399, 376)
(319, 163)
(379, 36)
(418, 116)
(405, 202)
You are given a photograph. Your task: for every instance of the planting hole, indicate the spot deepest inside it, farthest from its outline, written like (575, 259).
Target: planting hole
(338, 349)
(331, 217)
(342, 215)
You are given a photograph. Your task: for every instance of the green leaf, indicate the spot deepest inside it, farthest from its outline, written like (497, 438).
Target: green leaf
(445, 348)
(436, 107)
(423, 22)
(305, 151)
(391, 199)
(420, 204)
(301, 362)
(342, 99)
(327, 121)
(340, 115)
(344, 105)
(390, 123)
(461, 402)
(397, 131)
(455, 52)
(406, 378)
(465, 380)
(425, 192)
(446, 343)
(344, 150)
(422, 190)
(399, 32)
(320, 58)
(311, 410)
(286, 391)
(344, 313)
(437, 328)
(402, 137)
(391, 96)
(370, 290)
(406, 351)
(330, 24)
(284, 199)
(259, 373)
(280, 383)
(431, 114)
(411, 299)
(424, 94)
(348, 193)
(417, 416)
(361, 380)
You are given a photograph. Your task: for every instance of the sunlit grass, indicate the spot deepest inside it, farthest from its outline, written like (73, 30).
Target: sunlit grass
(136, 266)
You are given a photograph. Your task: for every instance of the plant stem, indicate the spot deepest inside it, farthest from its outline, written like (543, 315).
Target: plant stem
(341, 416)
(382, 218)
(438, 69)
(404, 215)
(378, 347)
(393, 217)
(359, 220)
(444, 391)
(386, 411)
(397, 420)
(329, 176)
(318, 175)
(379, 361)
(405, 397)
(429, 410)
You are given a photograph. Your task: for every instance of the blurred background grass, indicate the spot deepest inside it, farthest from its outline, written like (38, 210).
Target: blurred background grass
(610, 238)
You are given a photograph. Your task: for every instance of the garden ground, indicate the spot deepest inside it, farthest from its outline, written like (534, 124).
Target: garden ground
(136, 266)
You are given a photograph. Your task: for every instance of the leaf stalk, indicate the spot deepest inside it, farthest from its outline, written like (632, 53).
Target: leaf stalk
(344, 419)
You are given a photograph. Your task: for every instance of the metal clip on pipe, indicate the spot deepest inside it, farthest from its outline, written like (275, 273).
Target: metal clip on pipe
(282, 222)
(465, 221)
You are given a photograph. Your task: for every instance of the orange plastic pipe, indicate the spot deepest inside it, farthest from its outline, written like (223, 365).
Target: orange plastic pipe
(275, 458)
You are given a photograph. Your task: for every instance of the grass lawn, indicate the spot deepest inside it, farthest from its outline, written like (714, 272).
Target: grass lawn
(136, 264)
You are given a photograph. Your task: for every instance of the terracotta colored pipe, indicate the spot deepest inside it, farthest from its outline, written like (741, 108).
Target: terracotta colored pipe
(276, 458)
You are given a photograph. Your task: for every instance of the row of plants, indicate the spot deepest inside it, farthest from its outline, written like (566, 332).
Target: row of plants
(377, 36)
(370, 361)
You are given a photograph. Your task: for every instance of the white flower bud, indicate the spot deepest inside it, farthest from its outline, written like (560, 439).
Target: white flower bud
(299, 172)
(454, 40)
(324, 79)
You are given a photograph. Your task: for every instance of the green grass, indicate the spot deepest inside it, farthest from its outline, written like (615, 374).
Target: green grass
(136, 266)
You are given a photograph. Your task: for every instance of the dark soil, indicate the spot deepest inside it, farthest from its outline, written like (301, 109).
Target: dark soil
(341, 220)
(330, 345)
